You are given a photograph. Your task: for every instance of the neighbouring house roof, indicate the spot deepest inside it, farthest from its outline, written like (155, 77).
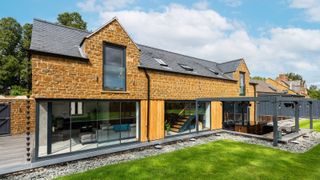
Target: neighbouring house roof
(61, 40)
(263, 87)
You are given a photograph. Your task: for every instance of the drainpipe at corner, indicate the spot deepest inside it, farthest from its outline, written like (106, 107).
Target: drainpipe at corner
(148, 109)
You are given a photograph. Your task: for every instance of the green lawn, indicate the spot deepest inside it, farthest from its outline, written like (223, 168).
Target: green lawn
(306, 124)
(216, 160)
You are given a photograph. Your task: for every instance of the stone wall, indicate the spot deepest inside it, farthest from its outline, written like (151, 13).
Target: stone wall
(56, 77)
(18, 114)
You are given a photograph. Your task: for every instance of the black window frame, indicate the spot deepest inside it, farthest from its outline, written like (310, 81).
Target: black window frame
(49, 140)
(125, 65)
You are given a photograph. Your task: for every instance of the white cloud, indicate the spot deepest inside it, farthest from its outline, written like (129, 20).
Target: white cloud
(232, 3)
(103, 5)
(311, 7)
(204, 33)
(201, 5)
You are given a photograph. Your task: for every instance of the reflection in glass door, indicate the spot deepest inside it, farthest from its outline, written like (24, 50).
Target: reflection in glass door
(204, 116)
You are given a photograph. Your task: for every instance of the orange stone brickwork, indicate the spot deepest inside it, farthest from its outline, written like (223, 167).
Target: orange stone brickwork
(56, 77)
(18, 115)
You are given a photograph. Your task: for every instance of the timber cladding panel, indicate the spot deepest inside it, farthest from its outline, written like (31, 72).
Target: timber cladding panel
(143, 120)
(18, 108)
(252, 113)
(156, 121)
(216, 115)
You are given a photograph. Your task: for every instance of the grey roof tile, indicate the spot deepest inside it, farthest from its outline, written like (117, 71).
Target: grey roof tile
(200, 67)
(57, 39)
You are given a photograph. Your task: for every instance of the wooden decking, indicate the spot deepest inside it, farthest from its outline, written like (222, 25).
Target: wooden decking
(12, 151)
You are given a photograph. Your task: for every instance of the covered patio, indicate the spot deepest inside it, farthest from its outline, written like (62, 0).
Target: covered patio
(282, 129)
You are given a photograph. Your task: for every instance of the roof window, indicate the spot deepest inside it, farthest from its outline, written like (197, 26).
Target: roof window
(160, 61)
(213, 71)
(186, 67)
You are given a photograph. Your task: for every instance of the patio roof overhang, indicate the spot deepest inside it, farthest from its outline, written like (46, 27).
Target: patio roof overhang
(276, 100)
(261, 99)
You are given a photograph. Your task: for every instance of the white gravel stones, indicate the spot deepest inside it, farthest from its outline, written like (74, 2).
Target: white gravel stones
(158, 146)
(50, 172)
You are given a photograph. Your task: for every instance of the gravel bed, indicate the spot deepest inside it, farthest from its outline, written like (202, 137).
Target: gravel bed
(300, 145)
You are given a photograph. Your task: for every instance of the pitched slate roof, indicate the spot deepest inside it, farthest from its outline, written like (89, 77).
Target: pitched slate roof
(173, 60)
(263, 87)
(56, 39)
(229, 66)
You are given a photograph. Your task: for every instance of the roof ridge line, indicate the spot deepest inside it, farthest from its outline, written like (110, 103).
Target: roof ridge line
(64, 26)
(231, 61)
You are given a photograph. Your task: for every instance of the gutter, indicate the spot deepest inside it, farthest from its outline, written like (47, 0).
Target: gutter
(148, 110)
(32, 51)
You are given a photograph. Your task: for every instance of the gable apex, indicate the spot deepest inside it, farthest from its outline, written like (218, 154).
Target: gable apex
(106, 24)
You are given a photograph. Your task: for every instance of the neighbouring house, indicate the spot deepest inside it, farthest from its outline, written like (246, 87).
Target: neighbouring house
(269, 87)
(298, 86)
(282, 88)
(265, 89)
(101, 89)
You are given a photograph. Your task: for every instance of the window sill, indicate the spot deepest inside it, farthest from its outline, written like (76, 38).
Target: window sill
(115, 92)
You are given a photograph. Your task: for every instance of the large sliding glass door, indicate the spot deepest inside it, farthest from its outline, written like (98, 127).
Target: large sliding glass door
(71, 126)
(180, 117)
(235, 115)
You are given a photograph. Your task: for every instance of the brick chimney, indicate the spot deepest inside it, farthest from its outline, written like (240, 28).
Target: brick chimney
(282, 77)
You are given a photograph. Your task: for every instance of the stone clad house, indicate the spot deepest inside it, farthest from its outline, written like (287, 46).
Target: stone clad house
(101, 89)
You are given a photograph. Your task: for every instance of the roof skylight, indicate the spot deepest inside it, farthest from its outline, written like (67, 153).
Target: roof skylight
(186, 67)
(160, 61)
(213, 71)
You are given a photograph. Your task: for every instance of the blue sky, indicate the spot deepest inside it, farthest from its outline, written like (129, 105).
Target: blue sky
(274, 36)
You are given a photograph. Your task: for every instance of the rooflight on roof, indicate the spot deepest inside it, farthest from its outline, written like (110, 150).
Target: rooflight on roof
(160, 61)
(213, 71)
(186, 67)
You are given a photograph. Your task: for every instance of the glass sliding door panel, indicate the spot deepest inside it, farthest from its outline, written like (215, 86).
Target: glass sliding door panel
(179, 117)
(128, 128)
(84, 126)
(43, 129)
(191, 110)
(109, 123)
(204, 116)
(60, 126)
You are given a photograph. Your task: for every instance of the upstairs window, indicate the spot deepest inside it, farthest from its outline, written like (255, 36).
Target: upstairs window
(242, 84)
(186, 67)
(114, 68)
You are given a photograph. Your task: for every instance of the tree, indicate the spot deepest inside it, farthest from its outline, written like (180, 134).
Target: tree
(314, 92)
(10, 35)
(14, 42)
(25, 66)
(294, 76)
(73, 19)
(259, 78)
